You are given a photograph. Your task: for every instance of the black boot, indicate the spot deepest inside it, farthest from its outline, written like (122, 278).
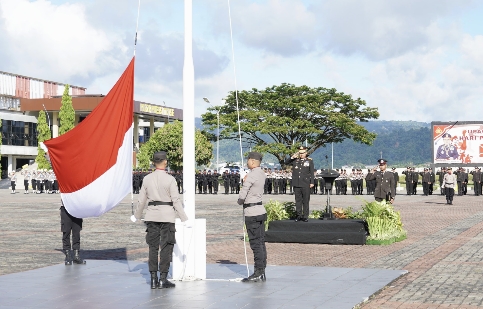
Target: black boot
(258, 275)
(154, 280)
(68, 257)
(164, 283)
(77, 259)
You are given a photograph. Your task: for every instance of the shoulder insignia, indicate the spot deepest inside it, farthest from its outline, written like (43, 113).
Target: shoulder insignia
(309, 158)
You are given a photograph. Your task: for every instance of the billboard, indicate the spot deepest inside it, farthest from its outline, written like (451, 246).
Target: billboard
(457, 143)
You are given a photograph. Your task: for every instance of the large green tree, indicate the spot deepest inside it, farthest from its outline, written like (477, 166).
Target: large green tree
(43, 134)
(67, 112)
(278, 119)
(169, 138)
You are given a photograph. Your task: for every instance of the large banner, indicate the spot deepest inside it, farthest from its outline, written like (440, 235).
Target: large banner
(460, 142)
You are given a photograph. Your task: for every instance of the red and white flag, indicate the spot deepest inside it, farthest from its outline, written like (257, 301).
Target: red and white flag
(93, 161)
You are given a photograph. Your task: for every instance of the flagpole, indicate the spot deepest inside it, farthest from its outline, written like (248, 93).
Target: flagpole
(189, 256)
(134, 133)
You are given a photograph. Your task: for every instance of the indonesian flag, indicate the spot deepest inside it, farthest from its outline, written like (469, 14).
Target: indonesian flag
(93, 161)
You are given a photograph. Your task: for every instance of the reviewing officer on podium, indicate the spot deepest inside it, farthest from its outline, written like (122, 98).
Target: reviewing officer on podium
(302, 181)
(160, 190)
(385, 184)
(250, 197)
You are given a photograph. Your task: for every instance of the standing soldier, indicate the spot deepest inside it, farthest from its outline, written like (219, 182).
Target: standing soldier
(237, 182)
(302, 181)
(409, 180)
(415, 181)
(440, 178)
(385, 188)
(33, 181)
(26, 178)
(477, 181)
(276, 181)
(232, 182)
(204, 181)
(396, 179)
(426, 179)
(368, 182)
(216, 180)
(460, 177)
(164, 204)
(449, 181)
(432, 179)
(209, 180)
(352, 177)
(255, 215)
(226, 181)
(70, 225)
(13, 180)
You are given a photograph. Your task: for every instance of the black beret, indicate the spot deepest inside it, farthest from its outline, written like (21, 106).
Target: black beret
(159, 156)
(255, 155)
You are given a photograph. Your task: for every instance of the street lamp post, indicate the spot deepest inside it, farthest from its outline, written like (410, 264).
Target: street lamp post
(217, 133)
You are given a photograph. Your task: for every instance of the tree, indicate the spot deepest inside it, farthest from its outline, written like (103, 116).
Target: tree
(169, 138)
(67, 112)
(43, 134)
(279, 119)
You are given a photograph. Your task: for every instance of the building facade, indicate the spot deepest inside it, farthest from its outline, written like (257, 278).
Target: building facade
(22, 98)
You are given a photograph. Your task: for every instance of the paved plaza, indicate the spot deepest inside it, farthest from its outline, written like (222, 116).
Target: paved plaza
(442, 253)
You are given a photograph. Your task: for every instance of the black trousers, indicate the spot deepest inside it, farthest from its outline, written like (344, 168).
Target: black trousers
(256, 235)
(160, 235)
(227, 187)
(34, 184)
(460, 188)
(449, 194)
(302, 199)
(409, 187)
(215, 187)
(26, 184)
(425, 188)
(70, 224)
(12, 183)
(477, 187)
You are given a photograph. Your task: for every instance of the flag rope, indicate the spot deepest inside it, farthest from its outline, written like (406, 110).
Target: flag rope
(239, 129)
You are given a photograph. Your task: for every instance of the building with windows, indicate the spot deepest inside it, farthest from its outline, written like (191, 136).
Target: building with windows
(22, 98)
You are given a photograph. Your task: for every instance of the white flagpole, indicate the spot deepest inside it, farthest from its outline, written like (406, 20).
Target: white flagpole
(189, 256)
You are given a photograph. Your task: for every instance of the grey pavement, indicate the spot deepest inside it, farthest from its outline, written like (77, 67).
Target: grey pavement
(125, 284)
(443, 252)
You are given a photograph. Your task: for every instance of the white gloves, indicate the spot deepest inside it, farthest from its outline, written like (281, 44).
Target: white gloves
(188, 223)
(133, 218)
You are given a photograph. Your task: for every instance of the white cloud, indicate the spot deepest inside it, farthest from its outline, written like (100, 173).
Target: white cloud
(55, 42)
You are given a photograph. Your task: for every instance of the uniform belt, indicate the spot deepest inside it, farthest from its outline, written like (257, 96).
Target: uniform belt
(155, 203)
(251, 204)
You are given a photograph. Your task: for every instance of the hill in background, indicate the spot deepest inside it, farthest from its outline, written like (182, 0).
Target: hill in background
(402, 143)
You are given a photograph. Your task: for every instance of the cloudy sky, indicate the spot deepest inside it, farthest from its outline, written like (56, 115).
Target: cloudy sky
(414, 60)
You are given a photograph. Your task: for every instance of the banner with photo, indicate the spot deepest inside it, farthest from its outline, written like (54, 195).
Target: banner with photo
(458, 143)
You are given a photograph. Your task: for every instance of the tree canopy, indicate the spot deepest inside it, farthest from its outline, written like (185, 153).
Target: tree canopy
(279, 119)
(67, 112)
(43, 134)
(169, 138)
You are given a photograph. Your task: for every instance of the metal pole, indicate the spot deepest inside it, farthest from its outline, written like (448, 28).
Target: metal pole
(218, 141)
(332, 156)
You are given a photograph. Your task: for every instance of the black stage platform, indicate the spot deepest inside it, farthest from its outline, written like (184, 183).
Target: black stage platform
(316, 231)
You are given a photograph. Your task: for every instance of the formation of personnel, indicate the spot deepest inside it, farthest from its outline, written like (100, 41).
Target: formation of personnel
(39, 181)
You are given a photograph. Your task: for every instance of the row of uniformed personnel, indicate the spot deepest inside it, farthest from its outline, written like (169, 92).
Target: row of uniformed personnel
(39, 180)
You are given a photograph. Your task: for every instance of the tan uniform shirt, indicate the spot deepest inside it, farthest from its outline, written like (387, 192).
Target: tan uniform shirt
(160, 186)
(449, 181)
(252, 192)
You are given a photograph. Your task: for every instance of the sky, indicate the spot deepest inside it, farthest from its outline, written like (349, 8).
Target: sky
(413, 60)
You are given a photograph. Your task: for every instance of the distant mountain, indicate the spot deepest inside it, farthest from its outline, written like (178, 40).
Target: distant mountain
(402, 143)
